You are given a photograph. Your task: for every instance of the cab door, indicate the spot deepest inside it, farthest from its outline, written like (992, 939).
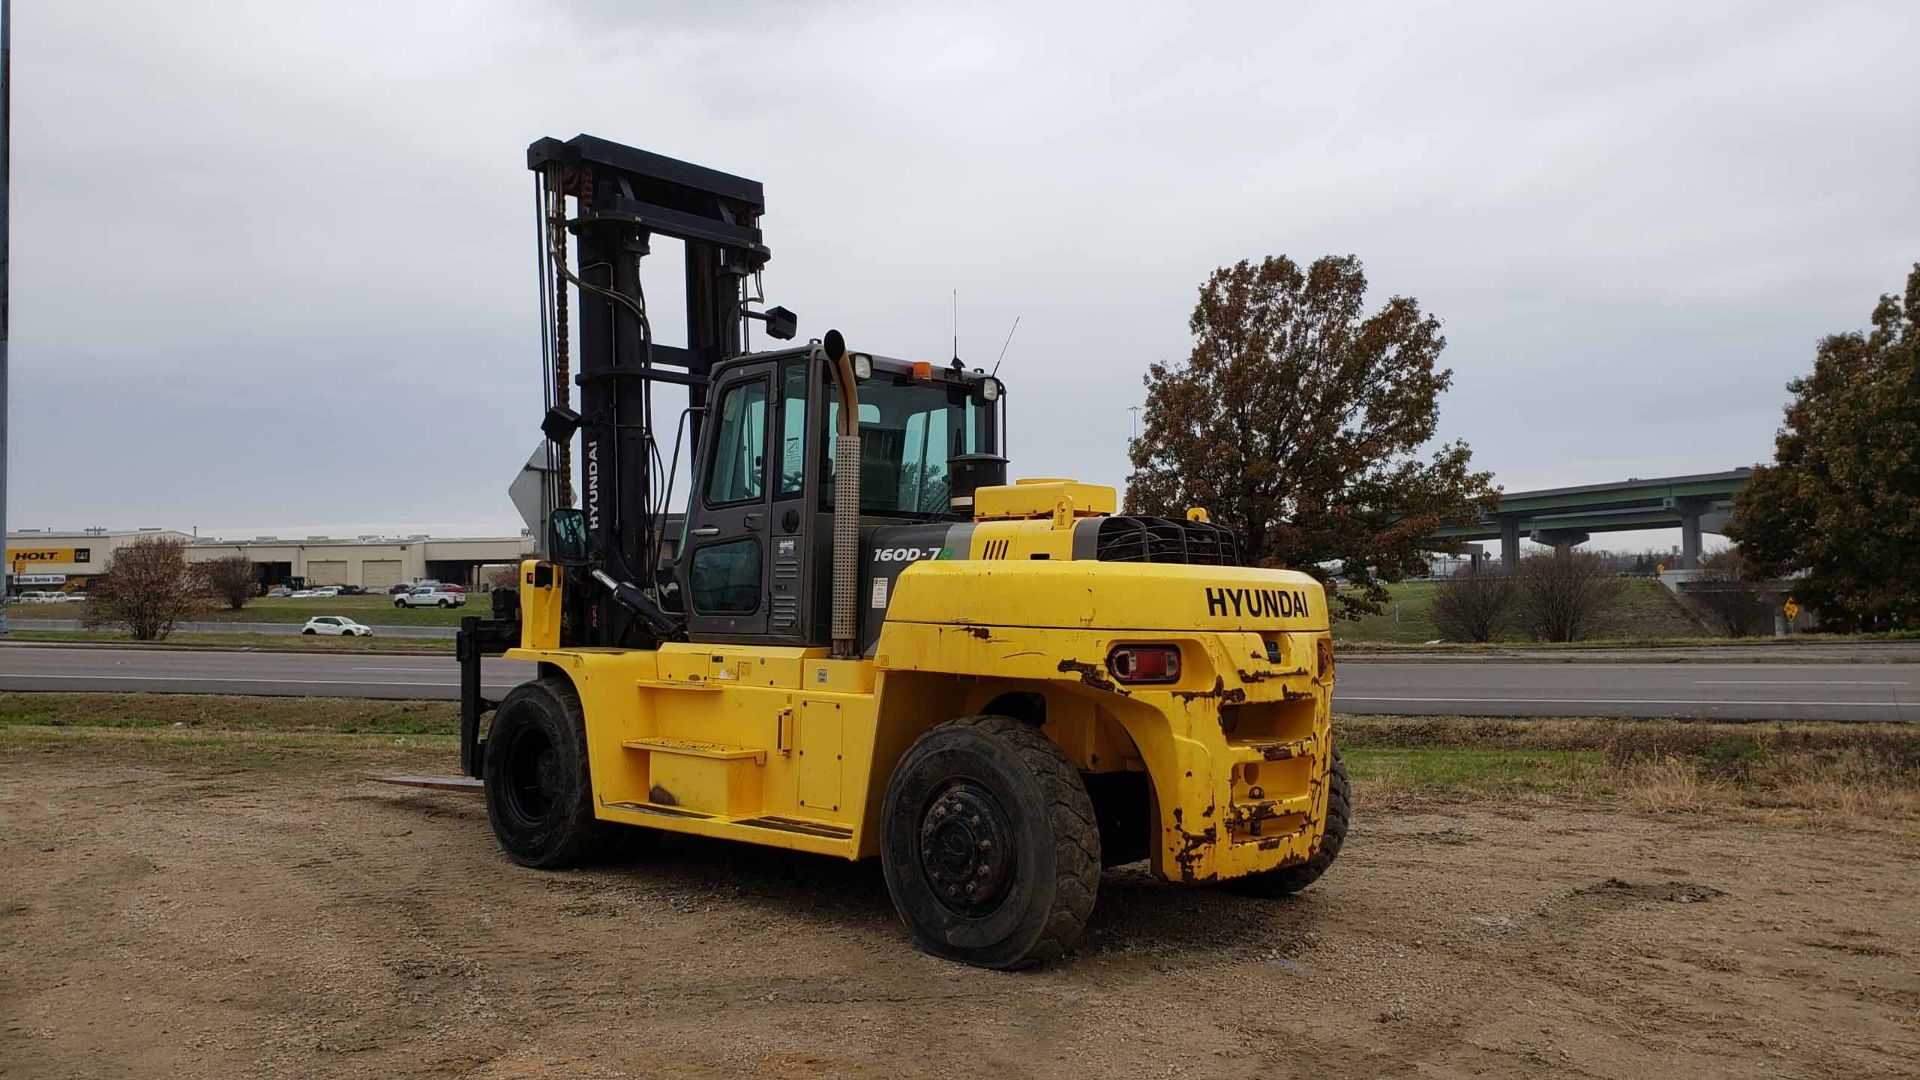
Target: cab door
(725, 566)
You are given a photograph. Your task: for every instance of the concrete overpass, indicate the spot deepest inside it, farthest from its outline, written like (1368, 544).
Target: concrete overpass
(1559, 516)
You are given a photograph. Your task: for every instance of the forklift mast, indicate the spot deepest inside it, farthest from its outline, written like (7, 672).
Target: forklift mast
(623, 197)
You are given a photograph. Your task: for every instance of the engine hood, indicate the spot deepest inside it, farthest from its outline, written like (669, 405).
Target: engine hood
(1085, 595)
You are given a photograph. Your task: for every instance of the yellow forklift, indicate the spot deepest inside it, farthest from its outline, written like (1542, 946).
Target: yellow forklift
(861, 640)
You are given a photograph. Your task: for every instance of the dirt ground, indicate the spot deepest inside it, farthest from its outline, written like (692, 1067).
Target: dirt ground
(234, 918)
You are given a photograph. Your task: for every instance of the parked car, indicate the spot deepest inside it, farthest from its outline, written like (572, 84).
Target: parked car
(454, 588)
(301, 594)
(429, 596)
(352, 590)
(398, 589)
(279, 592)
(336, 626)
(327, 590)
(73, 598)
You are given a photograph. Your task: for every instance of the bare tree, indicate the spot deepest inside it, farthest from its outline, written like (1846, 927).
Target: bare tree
(231, 579)
(1725, 590)
(149, 588)
(1474, 604)
(1563, 595)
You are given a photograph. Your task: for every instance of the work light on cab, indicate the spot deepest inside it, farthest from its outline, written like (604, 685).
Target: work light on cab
(1145, 663)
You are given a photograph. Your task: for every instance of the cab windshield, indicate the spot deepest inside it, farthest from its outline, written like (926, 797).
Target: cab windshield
(908, 431)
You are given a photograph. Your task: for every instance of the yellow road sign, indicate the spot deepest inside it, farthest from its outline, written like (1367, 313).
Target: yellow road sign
(1790, 609)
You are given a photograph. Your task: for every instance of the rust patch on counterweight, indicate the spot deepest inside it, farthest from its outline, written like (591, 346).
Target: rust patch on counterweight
(1093, 675)
(1191, 845)
(1220, 693)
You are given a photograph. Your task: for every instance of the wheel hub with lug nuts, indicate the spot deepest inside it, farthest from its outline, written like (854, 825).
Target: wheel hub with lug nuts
(966, 849)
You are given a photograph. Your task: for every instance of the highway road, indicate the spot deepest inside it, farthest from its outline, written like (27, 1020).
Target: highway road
(1778, 690)
(196, 671)
(379, 630)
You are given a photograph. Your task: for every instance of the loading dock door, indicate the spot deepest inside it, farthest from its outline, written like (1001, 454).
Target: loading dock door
(327, 572)
(379, 575)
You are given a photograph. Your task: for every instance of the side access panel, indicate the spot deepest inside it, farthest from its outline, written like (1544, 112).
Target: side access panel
(820, 746)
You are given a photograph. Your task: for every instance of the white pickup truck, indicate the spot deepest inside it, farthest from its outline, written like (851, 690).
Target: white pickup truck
(430, 596)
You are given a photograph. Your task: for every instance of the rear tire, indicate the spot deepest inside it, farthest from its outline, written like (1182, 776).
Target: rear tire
(1287, 880)
(446, 603)
(989, 844)
(310, 630)
(539, 793)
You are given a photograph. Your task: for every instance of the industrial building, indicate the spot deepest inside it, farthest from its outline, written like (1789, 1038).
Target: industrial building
(68, 560)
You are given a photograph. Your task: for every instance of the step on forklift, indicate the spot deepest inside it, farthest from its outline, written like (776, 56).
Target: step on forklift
(857, 639)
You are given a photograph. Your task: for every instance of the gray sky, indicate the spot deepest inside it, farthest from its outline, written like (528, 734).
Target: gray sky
(272, 263)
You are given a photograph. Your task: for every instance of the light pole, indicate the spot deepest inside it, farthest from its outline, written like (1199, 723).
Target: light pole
(6, 162)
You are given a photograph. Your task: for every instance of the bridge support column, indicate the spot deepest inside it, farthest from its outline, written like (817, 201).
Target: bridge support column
(1690, 539)
(1510, 544)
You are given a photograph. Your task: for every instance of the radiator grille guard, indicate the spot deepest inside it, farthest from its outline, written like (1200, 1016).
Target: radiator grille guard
(1165, 540)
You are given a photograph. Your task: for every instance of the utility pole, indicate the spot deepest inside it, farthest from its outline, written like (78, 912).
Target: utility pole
(1134, 409)
(6, 170)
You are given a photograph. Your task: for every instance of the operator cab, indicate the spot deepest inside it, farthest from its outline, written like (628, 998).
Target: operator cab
(755, 557)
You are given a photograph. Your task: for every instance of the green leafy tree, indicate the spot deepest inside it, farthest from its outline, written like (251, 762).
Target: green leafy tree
(1841, 502)
(1298, 419)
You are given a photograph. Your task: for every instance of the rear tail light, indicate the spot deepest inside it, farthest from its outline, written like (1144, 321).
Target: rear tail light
(1145, 663)
(1324, 652)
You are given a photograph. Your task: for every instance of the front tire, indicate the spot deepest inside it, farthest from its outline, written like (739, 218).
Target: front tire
(1287, 880)
(539, 793)
(989, 844)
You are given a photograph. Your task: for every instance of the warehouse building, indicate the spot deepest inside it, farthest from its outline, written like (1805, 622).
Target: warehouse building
(54, 560)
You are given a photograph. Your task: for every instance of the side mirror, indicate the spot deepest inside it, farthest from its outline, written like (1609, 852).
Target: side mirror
(781, 323)
(567, 537)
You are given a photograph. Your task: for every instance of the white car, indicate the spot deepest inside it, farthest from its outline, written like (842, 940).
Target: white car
(327, 590)
(301, 594)
(430, 596)
(336, 626)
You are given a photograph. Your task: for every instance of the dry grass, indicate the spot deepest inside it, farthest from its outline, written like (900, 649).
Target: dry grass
(1670, 785)
(1842, 774)
(215, 712)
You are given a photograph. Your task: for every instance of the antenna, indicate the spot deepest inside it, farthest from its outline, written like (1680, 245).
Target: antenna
(1003, 348)
(956, 328)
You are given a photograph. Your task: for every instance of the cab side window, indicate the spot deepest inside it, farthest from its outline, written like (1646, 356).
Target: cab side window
(793, 428)
(726, 577)
(740, 448)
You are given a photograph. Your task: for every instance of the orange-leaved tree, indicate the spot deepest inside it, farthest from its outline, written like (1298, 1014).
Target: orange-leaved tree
(1303, 421)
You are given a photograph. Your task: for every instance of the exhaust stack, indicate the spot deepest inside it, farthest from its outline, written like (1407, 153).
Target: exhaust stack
(846, 502)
